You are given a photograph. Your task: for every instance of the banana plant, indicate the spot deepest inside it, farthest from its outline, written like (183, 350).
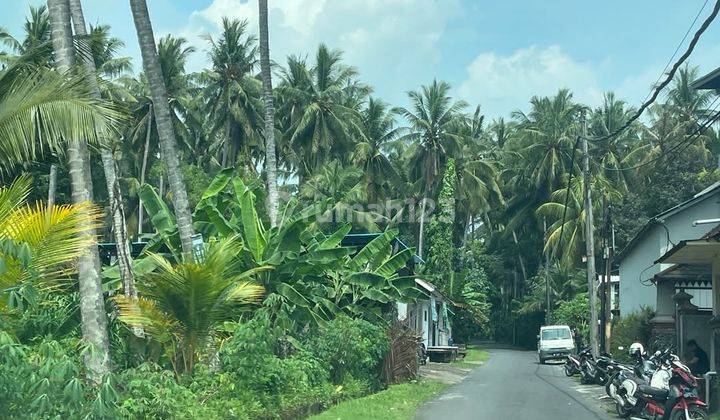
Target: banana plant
(313, 277)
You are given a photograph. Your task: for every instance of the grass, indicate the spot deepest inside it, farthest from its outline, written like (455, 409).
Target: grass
(398, 402)
(474, 358)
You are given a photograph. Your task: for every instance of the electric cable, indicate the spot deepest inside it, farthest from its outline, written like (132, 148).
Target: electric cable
(668, 78)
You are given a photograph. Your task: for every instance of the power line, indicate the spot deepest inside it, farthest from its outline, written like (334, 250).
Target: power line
(700, 130)
(682, 41)
(669, 76)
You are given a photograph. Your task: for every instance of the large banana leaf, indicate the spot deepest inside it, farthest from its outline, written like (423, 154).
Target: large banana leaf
(336, 238)
(162, 220)
(372, 250)
(394, 263)
(252, 226)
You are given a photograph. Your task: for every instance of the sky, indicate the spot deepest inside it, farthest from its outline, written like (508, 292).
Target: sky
(496, 54)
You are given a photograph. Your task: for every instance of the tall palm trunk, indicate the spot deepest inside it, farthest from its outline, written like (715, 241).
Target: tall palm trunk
(52, 186)
(92, 305)
(143, 168)
(270, 157)
(117, 211)
(163, 122)
(421, 236)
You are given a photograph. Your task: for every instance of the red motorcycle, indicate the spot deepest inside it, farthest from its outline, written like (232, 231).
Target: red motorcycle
(679, 395)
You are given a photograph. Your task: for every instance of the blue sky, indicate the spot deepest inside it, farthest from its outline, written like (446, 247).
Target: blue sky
(494, 53)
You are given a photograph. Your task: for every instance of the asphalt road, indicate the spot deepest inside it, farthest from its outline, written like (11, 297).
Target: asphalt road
(512, 385)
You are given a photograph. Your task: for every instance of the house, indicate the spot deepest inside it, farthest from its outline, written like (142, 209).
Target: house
(637, 266)
(429, 317)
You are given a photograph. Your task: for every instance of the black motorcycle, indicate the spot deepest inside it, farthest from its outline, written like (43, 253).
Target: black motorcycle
(573, 363)
(595, 370)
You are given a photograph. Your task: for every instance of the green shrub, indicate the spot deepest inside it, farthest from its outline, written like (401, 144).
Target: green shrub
(46, 380)
(286, 386)
(629, 329)
(575, 313)
(352, 348)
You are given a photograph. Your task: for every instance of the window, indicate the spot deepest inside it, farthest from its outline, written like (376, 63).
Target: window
(425, 315)
(556, 334)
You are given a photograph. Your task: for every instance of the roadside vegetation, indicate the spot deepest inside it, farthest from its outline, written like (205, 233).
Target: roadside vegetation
(398, 402)
(222, 287)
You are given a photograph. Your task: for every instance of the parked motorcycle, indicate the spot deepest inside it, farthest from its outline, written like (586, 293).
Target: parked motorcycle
(642, 369)
(595, 371)
(573, 363)
(670, 394)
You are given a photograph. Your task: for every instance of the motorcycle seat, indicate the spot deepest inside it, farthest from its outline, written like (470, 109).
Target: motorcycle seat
(656, 393)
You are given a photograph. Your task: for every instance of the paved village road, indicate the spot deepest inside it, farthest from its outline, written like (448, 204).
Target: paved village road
(512, 385)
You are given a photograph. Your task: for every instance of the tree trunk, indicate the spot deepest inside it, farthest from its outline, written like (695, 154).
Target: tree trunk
(92, 304)
(143, 168)
(117, 211)
(521, 259)
(226, 146)
(421, 235)
(270, 156)
(52, 186)
(163, 122)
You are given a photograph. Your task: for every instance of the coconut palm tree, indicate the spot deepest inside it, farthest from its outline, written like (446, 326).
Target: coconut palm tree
(341, 186)
(163, 120)
(431, 137)
(117, 207)
(180, 306)
(233, 93)
(92, 307)
(546, 136)
(37, 36)
(615, 154)
(321, 124)
(269, 130)
(378, 126)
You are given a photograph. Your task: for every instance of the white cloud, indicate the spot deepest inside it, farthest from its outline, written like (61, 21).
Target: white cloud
(501, 84)
(394, 43)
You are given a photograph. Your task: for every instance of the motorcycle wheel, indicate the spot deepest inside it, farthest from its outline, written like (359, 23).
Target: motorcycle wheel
(584, 378)
(610, 388)
(622, 411)
(694, 411)
(569, 371)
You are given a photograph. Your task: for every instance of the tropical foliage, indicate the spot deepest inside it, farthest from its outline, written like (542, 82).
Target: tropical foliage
(239, 200)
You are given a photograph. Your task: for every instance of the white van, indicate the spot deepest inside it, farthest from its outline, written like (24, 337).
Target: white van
(554, 342)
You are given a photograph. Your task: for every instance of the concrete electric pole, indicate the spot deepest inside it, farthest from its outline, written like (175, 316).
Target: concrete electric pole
(589, 241)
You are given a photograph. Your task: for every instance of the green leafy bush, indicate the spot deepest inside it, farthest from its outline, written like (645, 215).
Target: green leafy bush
(575, 313)
(286, 386)
(629, 329)
(351, 348)
(46, 381)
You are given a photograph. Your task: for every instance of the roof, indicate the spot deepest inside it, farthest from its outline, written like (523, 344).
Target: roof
(709, 81)
(660, 218)
(686, 273)
(693, 251)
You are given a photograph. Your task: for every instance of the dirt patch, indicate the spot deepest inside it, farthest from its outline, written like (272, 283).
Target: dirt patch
(446, 373)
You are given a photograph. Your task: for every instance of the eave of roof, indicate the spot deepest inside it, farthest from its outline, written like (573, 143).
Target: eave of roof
(709, 81)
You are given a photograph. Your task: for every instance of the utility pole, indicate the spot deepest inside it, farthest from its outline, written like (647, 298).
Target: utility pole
(589, 241)
(609, 249)
(603, 280)
(548, 317)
